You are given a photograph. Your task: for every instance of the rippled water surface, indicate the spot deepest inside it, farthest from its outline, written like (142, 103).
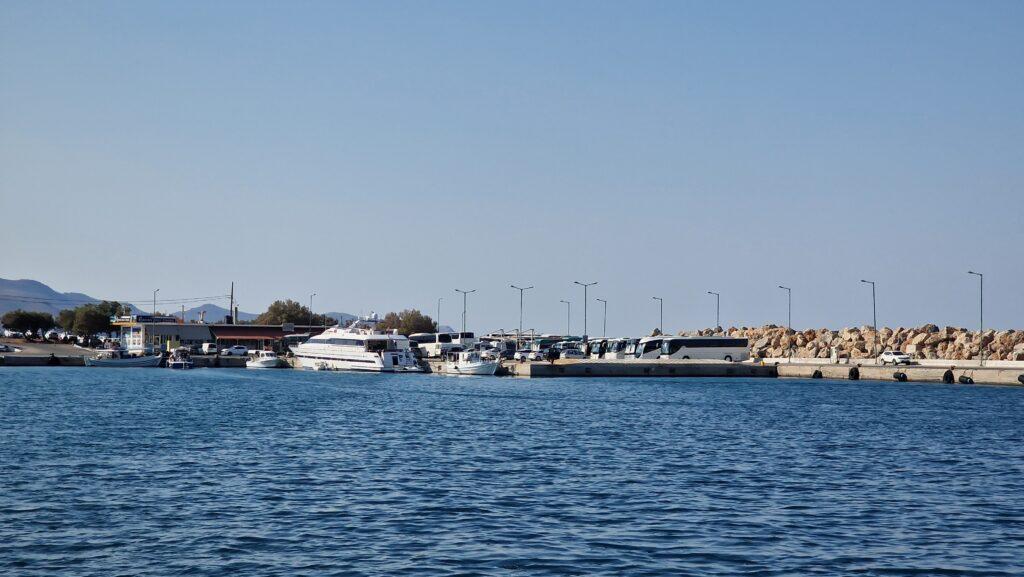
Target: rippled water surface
(218, 471)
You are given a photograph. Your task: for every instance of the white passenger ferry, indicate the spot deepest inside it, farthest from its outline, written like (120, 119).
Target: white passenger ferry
(358, 347)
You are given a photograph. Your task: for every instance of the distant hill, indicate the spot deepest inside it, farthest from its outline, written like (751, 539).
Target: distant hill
(32, 295)
(214, 314)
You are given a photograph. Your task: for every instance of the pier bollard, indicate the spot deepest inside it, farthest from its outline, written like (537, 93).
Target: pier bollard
(816, 374)
(947, 377)
(854, 374)
(965, 380)
(900, 376)
(1020, 379)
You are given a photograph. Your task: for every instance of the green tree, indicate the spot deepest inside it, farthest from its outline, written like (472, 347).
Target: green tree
(66, 319)
(289, 311)
(21, 321)
(407, 322)
(92, 319)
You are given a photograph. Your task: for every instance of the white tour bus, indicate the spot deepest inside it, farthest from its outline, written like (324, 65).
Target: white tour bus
(433, 344)
(718, 348)
(648, 348)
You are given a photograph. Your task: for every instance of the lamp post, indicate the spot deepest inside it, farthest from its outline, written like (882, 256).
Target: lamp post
(311, 312)
(661, 314)
(521, 290)
(717, 303)
(874, 319)
(568, 316)
(604, 325)
(437, 321)
(981, 314)
(464, 293)
(154, 304)
(789, 316)
(585, 285)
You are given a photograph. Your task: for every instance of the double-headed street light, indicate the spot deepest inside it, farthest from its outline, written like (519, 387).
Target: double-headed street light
(661, 314)
(521, 290)
(437, 321)
(789, 316)
(981, 314)
(311, 312)
(154, 302)
(874, 318)
(585, 285)
(717, 303)
(604, 325)
(464, 293)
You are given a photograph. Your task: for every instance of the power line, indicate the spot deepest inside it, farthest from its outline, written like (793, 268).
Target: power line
(80, 300)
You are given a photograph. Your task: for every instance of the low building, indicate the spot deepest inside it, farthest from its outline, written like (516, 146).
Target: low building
(147, 332)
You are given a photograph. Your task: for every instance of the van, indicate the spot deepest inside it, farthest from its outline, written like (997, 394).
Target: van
(209, 348)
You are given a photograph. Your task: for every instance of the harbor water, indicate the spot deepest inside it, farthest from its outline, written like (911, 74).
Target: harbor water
(217, 472)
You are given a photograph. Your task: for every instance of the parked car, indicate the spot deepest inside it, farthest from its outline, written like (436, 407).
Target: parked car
(521, 355)
(540, 355)
(895, 358)
(572, 354)
(235, 351)
(209, 348)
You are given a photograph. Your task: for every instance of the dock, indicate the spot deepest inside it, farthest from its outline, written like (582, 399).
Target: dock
(636, 368)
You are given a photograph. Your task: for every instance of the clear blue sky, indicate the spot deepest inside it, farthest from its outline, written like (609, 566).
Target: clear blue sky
(382, 154)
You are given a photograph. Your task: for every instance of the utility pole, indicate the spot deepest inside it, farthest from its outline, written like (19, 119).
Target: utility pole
(568, 317)
(154, 304)
(981, 315)
(718, 323)
(311, 313)
(661, 314)
(789, 316)
(437, 322)
(464, 293)
(521, 290)
(604, 325)
(231, 304)
(585, 285)
(874, 319)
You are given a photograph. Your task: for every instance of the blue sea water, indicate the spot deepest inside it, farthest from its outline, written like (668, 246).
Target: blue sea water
(217, 471)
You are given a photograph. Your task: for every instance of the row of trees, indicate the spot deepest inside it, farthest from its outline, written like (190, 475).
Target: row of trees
(24, 321)
(289, 311)
(86, 319)
(408, 322)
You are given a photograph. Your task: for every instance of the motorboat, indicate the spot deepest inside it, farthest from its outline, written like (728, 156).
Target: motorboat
(263, 360)
(469, 363)
(361, 346)
(118, 358)
(181, 359)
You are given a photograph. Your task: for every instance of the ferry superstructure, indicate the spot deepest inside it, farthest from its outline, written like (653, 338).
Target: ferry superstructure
(359, 347)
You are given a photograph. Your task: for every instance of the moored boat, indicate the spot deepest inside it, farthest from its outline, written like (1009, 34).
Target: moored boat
(181, 359)
(469, 363)
(117, 358)
(263, 360)
(359, 347)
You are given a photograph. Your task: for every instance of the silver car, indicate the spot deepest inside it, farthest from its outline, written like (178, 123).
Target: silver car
(895, 358)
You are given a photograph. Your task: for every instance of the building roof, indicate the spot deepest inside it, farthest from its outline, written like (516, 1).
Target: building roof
(255, 331)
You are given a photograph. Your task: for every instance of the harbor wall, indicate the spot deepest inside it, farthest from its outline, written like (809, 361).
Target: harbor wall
(636, 368)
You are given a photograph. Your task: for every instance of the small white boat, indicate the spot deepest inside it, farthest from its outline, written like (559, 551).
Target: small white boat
(117, 358)
(263, 360)
(469, 363)
(180, 359)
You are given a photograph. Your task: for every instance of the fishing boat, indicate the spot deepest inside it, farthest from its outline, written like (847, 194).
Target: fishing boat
(118, 358)
(263, 360)
(469, 363)
(181, 359)
(361, 346)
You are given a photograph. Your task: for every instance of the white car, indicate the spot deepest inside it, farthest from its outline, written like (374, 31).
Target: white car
(521, 355)
(536, 356)
(235, 351)
(572, 354)
(895, 358)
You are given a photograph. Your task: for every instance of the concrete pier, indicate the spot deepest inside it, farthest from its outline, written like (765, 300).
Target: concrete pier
(912, 373)
(636, 368)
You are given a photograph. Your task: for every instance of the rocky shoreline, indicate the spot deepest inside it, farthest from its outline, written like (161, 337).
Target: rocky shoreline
(925, 342)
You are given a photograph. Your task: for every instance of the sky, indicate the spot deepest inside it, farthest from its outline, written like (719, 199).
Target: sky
(383, 154)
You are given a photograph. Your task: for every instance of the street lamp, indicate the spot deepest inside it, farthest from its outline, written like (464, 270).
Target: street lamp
(874, 318)
(661, 314)
(789, 316)
(604, 325)
(311, 312)
(154, 303)
(585, 285)
(568, 317)
(981, 314)
(521, 290)
(717, 302)
(437, 321)
(464, 293)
